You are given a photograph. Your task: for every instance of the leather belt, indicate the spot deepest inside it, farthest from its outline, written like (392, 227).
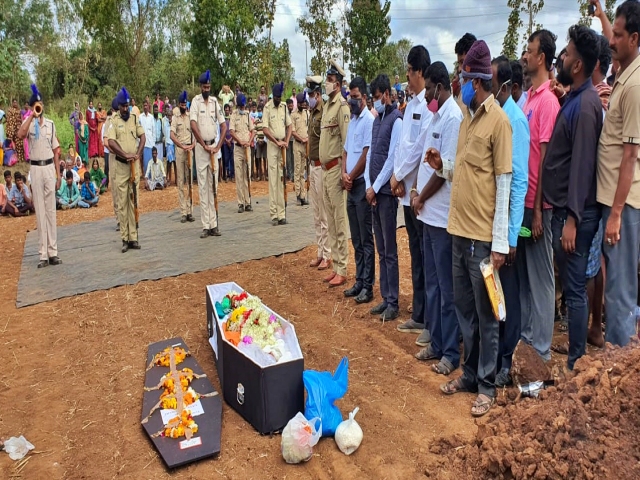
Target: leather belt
(209, 142)
(330, 164)
(316, 163)
(41, 163)
(121, 159)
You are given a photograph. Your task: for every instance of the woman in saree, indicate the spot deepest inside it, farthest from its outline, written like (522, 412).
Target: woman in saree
(98, 176)
(83, 138)
(14, 120)
(91, 117)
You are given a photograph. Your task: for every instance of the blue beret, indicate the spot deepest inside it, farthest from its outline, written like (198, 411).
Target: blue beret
(123, 97)
(278, 89)
(114, 103)
(35, 95)
(241, 100)
(183, 97)
(205, 77)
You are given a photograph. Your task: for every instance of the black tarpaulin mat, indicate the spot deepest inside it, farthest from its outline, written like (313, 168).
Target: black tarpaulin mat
(92, 259)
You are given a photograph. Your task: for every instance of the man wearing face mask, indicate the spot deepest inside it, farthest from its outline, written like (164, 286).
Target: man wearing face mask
(208, 125)
(405, 170)
(354, 160)
(478, 222)
(300, 132)
(183, 141)
(242, 131)
(385, 135)
(333, 135)
(276, 123)
(314, 90)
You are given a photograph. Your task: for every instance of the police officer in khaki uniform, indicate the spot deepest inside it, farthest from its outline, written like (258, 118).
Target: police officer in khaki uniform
(300, 132)
(316, 192)
(242, 132)
(183, 140)
(123, 132)
(111, 159)
(44, 153)
(333, 135)
(277, 128)
(205, 116)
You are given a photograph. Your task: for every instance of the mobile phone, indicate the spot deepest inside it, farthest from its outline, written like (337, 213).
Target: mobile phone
(592, 9)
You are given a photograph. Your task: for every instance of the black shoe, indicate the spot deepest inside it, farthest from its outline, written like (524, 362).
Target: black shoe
(43, 263)
(118, 228)
(274, 222)
(183, 219)
(391, 313)
(353, 291)
(135, 245)
(125, 246)
(55, 260)
(303, 202)
(378, 309)
(503, 379)
(282, 221)
(205, 233)
(240, 208)
(365, 296)
(214, 232)
(190, 218)
(248, 208)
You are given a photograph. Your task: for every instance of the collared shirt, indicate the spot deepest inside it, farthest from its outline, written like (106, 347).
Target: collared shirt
(207, 115)
(480, 189)
(105, 129)
(242, 125)
(158, 129)
(88, 191)
(358, 138)
(622, 125)
(541, 109)
(125, 133)
(76, 177)
(387, 170)
(441, 134)
(17, 197)
(569, 179)
(149, 125)
(407, 159)
(520, 165)
(68, 193)
(225, 98)
(300, 121)
(155, 171)
(276, 119)
(314, 131)
(47, 142)
(333, 128)
(181, 127)
(522, 101)
(166, 130)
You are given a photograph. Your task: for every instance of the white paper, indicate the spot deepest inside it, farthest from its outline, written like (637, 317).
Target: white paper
(193, 442)
(168, 414)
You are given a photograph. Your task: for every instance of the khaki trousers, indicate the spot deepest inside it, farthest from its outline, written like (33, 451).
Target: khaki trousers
(240, 168)
(276, 188)
(184, 171)
(300, 164)
(126, 212)
(112, 181)
(335, 206)
(205, 187)
(316, 194)
(43, 190)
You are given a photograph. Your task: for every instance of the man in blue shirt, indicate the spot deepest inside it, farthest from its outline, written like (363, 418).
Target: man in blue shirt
(397, 86)
(503, 79)
(358, 209)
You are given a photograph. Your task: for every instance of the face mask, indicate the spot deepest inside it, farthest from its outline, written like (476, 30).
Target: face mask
(468, 93)
(312, 103)
(183, 110)
(356, 106)
(329, 88)
(276, 103)
(378, 106)
(124, 116)
(205, 95)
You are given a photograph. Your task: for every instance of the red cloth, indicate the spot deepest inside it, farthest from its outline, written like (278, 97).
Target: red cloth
(94, 135)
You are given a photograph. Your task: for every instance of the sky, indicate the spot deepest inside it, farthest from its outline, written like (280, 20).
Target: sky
(436, 24)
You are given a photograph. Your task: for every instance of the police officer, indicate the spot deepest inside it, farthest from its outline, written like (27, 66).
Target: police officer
(206, 117)
(242, 132)
(277, 128)
(333, 135)
(314, 92)
(183, 140)
(125, 128)
(44, 152)
(300, 132)
(111, 159)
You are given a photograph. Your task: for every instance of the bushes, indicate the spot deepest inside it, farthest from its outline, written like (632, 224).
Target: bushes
(63, 129)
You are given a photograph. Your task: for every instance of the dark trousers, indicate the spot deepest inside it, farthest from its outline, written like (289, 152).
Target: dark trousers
(414, 232)
(385, 224)
(480, 330)
(441, 314)
(290, 160)
(510, 328)
(360, 219)
(227, 161)
(106, 169)
(573, 275)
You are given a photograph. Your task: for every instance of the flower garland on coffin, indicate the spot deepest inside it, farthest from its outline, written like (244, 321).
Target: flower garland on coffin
(250, 327)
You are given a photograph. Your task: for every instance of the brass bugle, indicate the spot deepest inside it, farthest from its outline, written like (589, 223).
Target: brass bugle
(37, 109)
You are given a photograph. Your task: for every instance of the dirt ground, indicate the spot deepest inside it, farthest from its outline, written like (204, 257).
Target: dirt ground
(74, 370)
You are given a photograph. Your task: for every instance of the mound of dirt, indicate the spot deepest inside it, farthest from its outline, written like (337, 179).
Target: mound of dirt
(586, 427)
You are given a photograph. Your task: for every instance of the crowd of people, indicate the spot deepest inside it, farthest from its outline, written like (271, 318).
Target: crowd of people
(530, 164)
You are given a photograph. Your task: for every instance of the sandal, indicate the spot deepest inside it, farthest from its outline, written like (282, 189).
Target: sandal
(426, 354)
(443, 367)
(563, 326)
(482, 405)
(454, 386)
(561, 348)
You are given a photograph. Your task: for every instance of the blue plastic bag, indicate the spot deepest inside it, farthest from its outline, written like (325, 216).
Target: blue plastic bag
(322, 390)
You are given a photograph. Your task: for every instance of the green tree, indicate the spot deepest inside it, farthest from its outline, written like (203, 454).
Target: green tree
(510, 42)
(394, 58)
(586, 19)
(321, 31)
(368, 31)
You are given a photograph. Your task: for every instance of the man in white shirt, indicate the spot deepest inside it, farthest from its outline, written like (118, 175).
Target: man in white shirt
(149, 125)
(430, 202)
(358, 210)
(385, 135)
(155, 176)
(405, 170)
